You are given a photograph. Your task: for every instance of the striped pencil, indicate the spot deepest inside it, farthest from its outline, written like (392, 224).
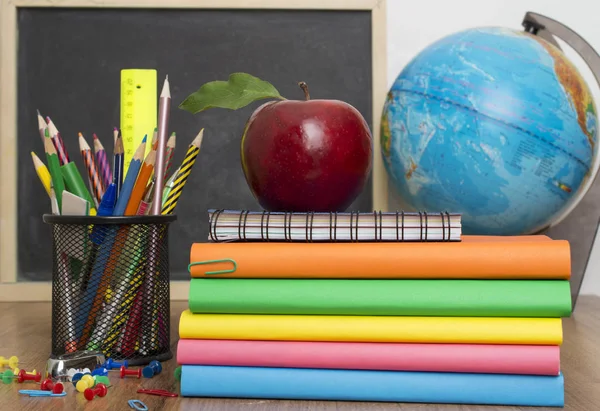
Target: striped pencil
(169, 154)
(102, 162)
(184, 171)
(61, 150)
(93, 176)
(58, 184)
(140, 185)
(118, 163)
(42, 126)
(146, 201)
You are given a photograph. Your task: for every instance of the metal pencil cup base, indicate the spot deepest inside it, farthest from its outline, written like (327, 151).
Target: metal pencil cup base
(110, 286)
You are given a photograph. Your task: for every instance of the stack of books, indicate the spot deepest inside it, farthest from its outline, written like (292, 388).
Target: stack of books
(373, 307)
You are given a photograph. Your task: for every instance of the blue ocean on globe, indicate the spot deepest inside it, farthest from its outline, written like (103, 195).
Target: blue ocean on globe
(492, 123)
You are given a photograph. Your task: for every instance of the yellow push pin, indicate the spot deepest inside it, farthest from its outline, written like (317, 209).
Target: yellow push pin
(87, 381)
(12, 362)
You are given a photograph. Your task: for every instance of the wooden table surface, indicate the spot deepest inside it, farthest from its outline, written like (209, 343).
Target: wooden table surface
(26, 333)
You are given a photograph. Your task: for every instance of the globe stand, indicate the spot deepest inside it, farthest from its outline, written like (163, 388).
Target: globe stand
(579, 222)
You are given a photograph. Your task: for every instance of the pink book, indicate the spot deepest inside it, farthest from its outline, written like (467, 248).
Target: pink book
(464, 358)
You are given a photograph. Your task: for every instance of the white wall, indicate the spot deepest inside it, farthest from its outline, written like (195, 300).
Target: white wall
(413, 25)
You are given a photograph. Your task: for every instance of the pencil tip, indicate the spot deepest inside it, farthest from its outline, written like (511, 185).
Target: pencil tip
(144, 139)
(94, 136)
(79, 134)
(166, 90)
(38, 112)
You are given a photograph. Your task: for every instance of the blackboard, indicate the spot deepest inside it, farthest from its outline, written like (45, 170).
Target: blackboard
(69, 63)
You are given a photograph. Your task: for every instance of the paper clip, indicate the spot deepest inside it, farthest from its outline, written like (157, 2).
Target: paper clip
(40, 393)
(226, 260)
(137, 405)
(162, 393)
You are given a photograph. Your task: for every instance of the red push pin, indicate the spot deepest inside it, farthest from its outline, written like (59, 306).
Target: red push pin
(48, 385)
(100, 390)
(136, 373)
(24, 376)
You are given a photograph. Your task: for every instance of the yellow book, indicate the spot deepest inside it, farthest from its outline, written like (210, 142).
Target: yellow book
(464, 330)
(139, 110)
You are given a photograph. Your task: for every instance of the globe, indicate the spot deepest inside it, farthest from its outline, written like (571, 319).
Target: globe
(492, 123)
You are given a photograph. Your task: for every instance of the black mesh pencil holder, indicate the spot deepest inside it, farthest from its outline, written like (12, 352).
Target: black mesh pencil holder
(110, 286)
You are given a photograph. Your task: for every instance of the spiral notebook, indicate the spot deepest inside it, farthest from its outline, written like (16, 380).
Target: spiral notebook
(246, 225)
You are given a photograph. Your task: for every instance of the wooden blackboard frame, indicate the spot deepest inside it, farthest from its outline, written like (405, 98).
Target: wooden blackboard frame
(13, 290)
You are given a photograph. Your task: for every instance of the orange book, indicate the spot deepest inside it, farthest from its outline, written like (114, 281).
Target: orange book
(475, 257)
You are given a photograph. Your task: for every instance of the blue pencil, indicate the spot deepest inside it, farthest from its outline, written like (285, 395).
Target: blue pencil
(132, 173)
(118, 163)
(99, 232)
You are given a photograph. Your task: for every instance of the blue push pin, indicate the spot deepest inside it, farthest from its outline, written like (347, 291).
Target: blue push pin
(152, 369)
(111, 364)
(77, 376)
(100, 371)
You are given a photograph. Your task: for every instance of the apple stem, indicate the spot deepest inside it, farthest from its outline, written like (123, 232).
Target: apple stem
(304, 88)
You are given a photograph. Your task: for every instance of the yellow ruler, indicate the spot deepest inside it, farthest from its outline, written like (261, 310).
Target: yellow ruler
(139, 102)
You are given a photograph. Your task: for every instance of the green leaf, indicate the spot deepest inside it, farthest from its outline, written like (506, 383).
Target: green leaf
(240, 90)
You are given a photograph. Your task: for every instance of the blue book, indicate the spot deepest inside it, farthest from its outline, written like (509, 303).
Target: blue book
(359, 385)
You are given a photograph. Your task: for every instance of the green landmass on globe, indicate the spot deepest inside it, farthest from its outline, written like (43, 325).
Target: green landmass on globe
(496, 124)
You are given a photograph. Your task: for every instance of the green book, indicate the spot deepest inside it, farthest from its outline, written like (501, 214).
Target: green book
(458, 298)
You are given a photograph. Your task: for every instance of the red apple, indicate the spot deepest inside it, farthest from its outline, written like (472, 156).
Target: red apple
(312, 155)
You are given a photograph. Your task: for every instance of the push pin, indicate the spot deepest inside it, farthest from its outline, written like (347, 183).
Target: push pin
(101, 379)
(12, 362)
(137, 373)
(87, 381)
(24, 376)
(100, 371)
(7, 376)
(100, 391)
(76, 377)
(16, 371)
(111, 364)
(48, 385)
(152, 369)
(177, 373)
(72, 371)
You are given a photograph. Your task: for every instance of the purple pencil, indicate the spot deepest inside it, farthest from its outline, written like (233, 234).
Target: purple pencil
(102, 162)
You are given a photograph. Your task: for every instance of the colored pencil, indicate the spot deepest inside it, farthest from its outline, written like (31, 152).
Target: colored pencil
(102, 162)
(163, 127)
(146, 201)
(149, 318)
(169, 186)
(184, 171)
(61, 150)
(58, 183)
(132, 174)
(42, 172)
(115, 135)
(118, 163)
(155, 139)
(93, 176)
(137, 193)
(42, 126)
(169, 154)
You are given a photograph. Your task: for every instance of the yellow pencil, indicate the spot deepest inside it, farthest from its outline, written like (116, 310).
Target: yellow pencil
(42, 172)
(184, 171)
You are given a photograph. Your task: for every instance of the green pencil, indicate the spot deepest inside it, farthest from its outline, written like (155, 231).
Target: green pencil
(54, 167)
(75, 184)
